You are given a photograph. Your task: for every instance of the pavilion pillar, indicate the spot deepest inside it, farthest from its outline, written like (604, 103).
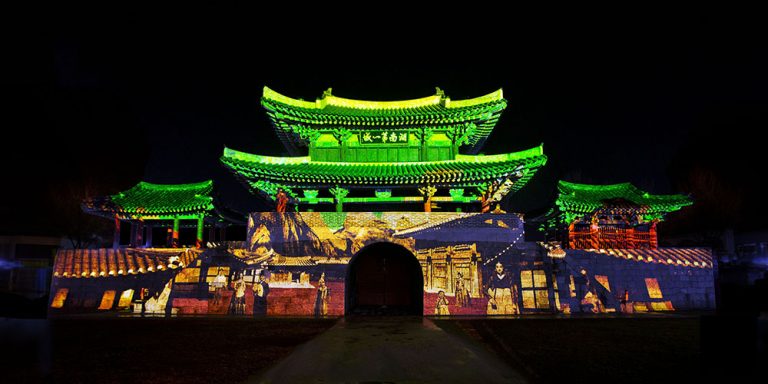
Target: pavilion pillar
(199, 237)
(429, 272)
(654, 242)
(132, 241)
(148, 238)
(139, 233)
(116, 238)
(572, 235)
(339, 194)
(427, 192)
(168, 237)
(175, 233)
(449, 271)
(475, 284)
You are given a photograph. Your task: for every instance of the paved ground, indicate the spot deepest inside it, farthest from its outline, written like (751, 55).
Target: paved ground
(389, 350)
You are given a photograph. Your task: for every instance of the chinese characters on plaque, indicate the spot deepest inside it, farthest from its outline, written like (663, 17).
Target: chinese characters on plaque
(383, 137)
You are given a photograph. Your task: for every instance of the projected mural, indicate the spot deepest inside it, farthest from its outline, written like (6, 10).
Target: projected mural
(329, 264)
(458, 255)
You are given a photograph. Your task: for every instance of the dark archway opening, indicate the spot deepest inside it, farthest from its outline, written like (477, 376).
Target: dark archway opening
(384, 279)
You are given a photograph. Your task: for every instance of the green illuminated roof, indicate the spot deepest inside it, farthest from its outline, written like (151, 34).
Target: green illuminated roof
(154, 201)
(584, 198)
(302, 172)
(290, 116)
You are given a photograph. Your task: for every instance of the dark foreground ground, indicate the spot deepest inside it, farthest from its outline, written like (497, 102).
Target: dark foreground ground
(647, 348)
(225, 350)
(129, 350)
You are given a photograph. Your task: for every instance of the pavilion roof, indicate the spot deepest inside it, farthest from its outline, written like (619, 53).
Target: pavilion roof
(290, 115)
(107, 262)
(464, 171)
(677, 257)
(147, 200)
(576, 198)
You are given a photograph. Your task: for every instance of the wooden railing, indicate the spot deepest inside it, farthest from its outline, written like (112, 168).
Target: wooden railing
(612, 236)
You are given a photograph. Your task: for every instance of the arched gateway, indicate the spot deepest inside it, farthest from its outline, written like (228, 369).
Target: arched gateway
(384, 279)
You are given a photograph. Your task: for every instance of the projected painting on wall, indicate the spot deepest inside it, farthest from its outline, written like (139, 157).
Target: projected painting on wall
(455, 255)
(299, 264)
(332, 264)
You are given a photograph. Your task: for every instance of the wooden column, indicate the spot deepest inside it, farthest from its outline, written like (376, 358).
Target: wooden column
(175, 233)
(427, 192)
(139, 233)
(654, 242)
(428, 281)
(199, 237)
(339, 194)
(132, 241)
(116, 239)
(449, 271)
(169, 237)
(148, 238)
(475, 278)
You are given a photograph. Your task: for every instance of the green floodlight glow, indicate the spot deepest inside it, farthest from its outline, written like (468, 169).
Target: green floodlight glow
(267, 172)
(576, 200)
(329, 99)
(293, 119)
(428, 144)
(155, 201)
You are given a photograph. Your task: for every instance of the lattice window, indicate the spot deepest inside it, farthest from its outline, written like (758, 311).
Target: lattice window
(654, 292)
(533, 284)
(107, 300)
(59, 298)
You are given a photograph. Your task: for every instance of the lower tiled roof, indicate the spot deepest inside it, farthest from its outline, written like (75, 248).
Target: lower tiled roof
(108, 262)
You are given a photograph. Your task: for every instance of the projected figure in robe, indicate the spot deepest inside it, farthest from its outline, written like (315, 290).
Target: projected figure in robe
(502, 293)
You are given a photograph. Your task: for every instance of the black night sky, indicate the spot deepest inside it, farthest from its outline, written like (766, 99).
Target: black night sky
(673, 110)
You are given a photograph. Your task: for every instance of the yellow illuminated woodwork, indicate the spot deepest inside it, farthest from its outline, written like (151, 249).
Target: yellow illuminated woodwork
(526, 279)
(188, 275)
(654, 292)
(542, 298)
(213, 271)
(534, 288)
(529, 300)
(125, 299)
(59, 298)
(107, 300)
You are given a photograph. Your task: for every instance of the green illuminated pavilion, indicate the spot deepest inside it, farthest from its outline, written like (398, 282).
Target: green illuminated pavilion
(610, 216)
(576, 200)
(413, 151)
(159, 203)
